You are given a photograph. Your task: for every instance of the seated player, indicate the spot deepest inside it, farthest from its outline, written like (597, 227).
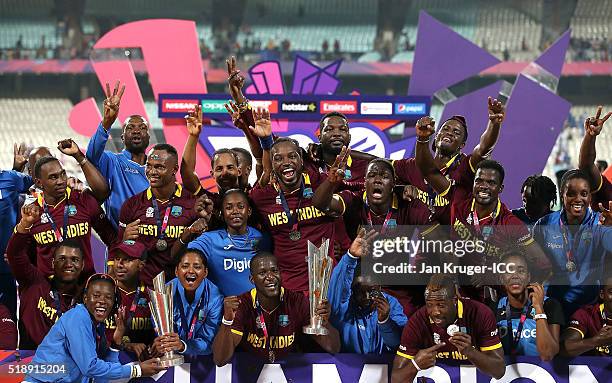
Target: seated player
(576, 243)
(134, 330)
(369, 321)
(539, 196)
(43, 299)
(229, 250)
(529, 322)
(267, 321)
(590, 328)
(448, 328)
(76, 343)
(197, 308)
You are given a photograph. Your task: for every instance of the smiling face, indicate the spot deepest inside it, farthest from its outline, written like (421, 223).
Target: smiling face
(450, 138)
(53, 179)
(334, 134)
(225, 171)
(265, 275)
(379, 183)
(191, 271)
(287, 164)
(99, 299)
(67, 264)
(236, 212)
(441, 307)
(161, 168)
(126, 268)
(576, 199)
(517, 281)
(487, 186)
(135, 134)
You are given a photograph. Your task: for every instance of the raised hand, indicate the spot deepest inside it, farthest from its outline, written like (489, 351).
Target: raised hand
(263, 126)
(29, 215)
(537, 295)
(426, 358)
(335, 173)
(234, 78)
(199, 226)
(194, 121)
(361, 244)
(111, 104)
(234, 112)
(20, 159)
(410, 193)
(593, 125)
(497, 111)
(382, 308)
(230, 307)
(606, 214)
(425, 127)
(69, 147)
(120, 325)
(205, 207)
(131, 231)
(75, 184)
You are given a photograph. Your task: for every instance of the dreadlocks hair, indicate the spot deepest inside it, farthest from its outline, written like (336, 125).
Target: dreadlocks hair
(572, 175)
(542, 188)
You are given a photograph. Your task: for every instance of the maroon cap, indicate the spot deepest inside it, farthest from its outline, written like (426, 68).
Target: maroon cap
(133, 249)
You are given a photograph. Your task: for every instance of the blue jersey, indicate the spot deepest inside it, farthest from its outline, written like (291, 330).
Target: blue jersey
(204, 312)
(12, 183)
(71, 343)
(229, 259)
(588, 246)
(360, 331)
(125, 177)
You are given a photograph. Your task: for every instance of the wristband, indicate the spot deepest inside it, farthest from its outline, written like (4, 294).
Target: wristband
(243, 106)
(227, 322)
(138, 371)
(540, 316)
(423, 141)
(181, 241)
(266, 142)
(83, 161)
(415, 365)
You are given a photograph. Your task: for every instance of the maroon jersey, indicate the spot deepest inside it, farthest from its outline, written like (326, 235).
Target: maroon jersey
(284, 325)
(354, 174)
(458, 169)
(588, 321)
(82, 212)
(603, 194)
(182, 214)
(139, 327)
(39, 301)
(473, 318)
(312, 224)
(8, 329)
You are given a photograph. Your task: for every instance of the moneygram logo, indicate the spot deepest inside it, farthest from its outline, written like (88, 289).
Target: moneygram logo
(376, 108)
(346, 107)
(214, 106)
(415, 108)
(271, 105)
(299, 107)
(182, 106)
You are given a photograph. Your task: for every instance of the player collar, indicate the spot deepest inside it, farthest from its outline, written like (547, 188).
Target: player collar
(305, 178)
(41, 198)
(254, 295)
(493, 215)
(459, 311)
(141, 288)
(394, 203)
(177, 192)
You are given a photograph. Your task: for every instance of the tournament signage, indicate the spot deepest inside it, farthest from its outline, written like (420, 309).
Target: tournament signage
(301, 107)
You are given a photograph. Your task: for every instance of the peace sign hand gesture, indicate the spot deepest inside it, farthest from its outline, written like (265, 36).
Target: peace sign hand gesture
(337, 170)
(234, 79)
(593, 125)
(111, 104)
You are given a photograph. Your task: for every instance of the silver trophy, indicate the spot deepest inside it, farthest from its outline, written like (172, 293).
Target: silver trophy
(163, 316)
(319, 272)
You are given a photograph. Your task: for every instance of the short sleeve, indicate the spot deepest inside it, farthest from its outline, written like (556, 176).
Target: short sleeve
(410, 341)
(518, 231)
(579, 321)
(404, 169)
(202, 243)
(487, 337)
(347, 199)
(554, 312)
(302, 308)
(23, 182)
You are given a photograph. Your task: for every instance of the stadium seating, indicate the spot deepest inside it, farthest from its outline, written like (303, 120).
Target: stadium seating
(591, 19)
(30, 29)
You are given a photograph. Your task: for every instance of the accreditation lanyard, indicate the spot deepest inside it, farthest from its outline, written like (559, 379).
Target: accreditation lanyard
(293, 218)
(264, 329)
(194, 314)
(161, 225)
(569, 250)
(476, 221)
(58, 233)
(133, 307)
(517, 337)
(385, 222)
(58, 303)
(431, 193)
(100, 334)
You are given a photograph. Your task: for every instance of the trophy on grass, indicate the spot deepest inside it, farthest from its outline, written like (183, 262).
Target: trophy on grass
(319, 273)
(163, 316)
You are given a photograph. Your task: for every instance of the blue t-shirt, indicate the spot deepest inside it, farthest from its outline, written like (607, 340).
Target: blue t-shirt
(229, 259)
(12, 183)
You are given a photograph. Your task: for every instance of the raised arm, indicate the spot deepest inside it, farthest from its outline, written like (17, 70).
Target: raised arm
(489, 138)
(227, 338)
(547, 336)
(588, 152)
(424, 160)
(19, 244)
(95, 148)
(189, 177)
(323, 198)
(97, 183)
(263, 131)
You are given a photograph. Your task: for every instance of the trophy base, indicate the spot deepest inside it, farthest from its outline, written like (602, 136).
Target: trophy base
(310, 330)
(174, 360)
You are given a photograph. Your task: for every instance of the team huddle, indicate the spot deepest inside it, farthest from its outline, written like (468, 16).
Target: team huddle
(235, 258)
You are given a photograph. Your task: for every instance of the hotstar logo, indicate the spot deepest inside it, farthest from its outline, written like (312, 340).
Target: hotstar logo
(302, 107)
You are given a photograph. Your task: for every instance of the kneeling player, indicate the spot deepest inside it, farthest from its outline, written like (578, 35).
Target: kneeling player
(448, 328)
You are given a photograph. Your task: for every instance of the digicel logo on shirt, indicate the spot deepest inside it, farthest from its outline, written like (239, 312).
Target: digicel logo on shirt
(271, 105)
(299, 107)
(346, 107)
(214, 106)
(182, 106)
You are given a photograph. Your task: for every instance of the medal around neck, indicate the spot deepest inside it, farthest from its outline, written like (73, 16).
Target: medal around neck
(452, 329)
(319, 274)
(570, 266)
(161, 245)
(163, 318)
